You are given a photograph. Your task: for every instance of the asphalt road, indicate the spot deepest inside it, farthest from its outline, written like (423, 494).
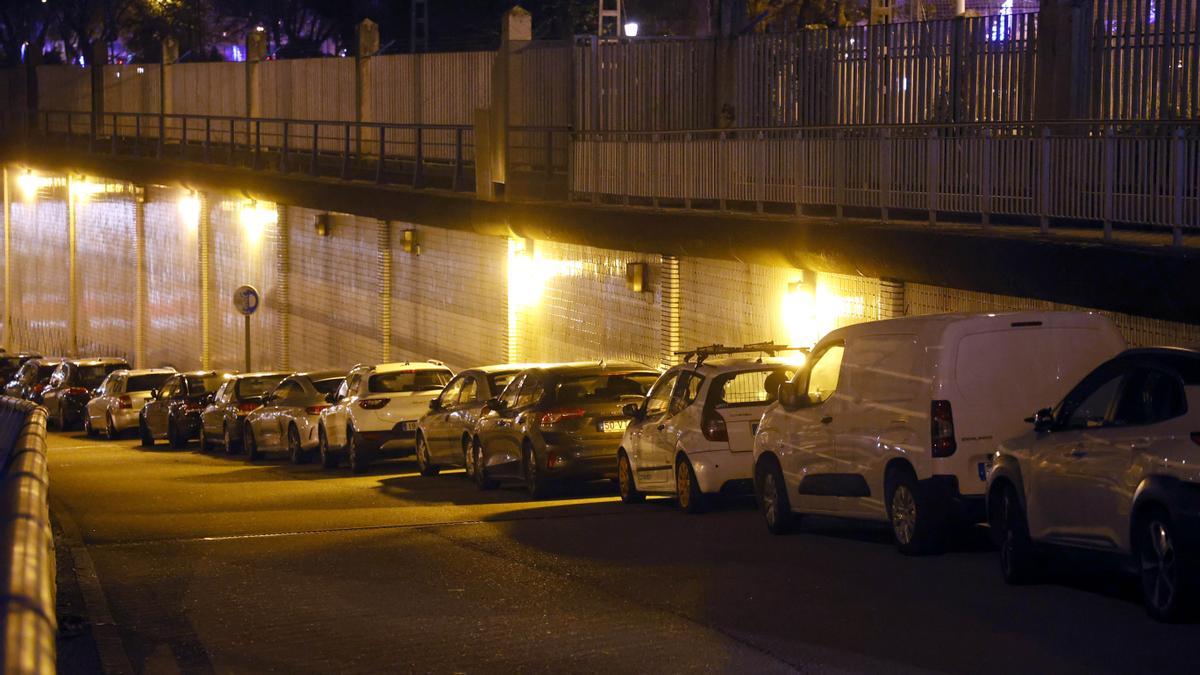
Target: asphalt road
(206, 563)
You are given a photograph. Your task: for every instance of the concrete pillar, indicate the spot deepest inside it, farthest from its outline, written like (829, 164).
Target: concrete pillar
(366, 46)
(8, 334)
(204, 248)
(283, 290)
(72, 275)
(516, 29)
(99, 60)
(141, 287)
(1064, 60)
(891, 299)
(170, 55)
(256, 52)
(669, 310)
(383, 248)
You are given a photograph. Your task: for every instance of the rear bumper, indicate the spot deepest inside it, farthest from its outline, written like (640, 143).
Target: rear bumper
(396, 440)
(590, 461)
(959, 507)
(124, 418)
(715, 468)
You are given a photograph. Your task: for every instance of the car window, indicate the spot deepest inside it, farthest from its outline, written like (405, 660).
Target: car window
(498, 381)
(288, 391)
(59, 374)
(1149, 396)
(469, 392)
(753, 387)
(509, 395)
(198, 385)
(329, 386)
(1097, 401)
(449, 395)
(531, 391)
(659, 398)
(824, 374)
(170, 388)
(253, 387)
(604, 387)
(408, 380)
(145, 382)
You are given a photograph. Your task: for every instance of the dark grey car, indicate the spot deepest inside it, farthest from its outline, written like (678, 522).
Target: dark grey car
(221, 422)
(444, 433)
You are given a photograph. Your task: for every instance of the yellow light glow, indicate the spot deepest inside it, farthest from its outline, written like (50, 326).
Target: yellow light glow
(255, 217)
(84, 189)
(809, 311)
(29, 183)
(189, 211)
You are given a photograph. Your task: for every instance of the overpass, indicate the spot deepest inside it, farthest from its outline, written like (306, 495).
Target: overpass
(595, 198)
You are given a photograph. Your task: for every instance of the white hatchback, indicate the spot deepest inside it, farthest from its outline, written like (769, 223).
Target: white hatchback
(377, 409)
(120, 398)
(693, 435)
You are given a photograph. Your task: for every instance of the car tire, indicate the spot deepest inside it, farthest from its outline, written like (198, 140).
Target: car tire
(175, 437)
(536, 483)
(1167, 570)
(88, 430)
(1018, 560)
(917, 522)
(144, 432)
(203, 439)
(427, 468)
(231, 446)
(773, 501)
(60, 419)
(296, 452)
(626, 482)
(253, 454)
(468, 460)
(687, 489)
(329, 459)
(358, 455)
(110, 427)
(481, 478)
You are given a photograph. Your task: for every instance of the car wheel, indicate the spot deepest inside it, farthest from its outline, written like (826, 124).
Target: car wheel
(773, 499)
(253, 454)
(203, 439)
(481, 478)
(913, 514)
(296, 451)
(60, 419)
(175, 436)
(329, 458)
(536, 483)
(144, 432)
(1018, 562)
(231, 447)
(687, 488)
(422, 451)
(87, 426)
(110, 428)
(468, 459)
(626, 484)
(360, 457)
(1168, 579)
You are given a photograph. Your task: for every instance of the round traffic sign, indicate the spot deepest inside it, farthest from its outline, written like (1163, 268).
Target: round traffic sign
(245, 299)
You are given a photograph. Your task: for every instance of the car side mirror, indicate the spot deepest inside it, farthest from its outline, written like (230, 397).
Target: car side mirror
(633, 410)
(1042, 421)
(789, 398)
(332, 398)
(154, 393)
(435, 405)
(495, 404)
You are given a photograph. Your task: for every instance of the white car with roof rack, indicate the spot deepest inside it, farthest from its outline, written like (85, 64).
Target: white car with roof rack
(693, 435)
(376, 411)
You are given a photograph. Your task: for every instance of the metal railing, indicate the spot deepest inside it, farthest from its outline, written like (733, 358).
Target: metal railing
(28, 621)
(1140, 174)
(420, 155)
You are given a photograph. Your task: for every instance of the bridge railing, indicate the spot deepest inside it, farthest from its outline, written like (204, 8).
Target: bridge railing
(1140, 173)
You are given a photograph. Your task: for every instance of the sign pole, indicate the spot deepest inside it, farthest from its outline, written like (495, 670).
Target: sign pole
(247, 318)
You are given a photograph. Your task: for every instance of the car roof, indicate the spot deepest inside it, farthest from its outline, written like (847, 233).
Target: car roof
(595, 368)
(264, 373)
(317, 375)
(202, 373)
(147, 371)
(97, 360)
(736, 363)
(936, 324)
(509, 367)
(394, 366)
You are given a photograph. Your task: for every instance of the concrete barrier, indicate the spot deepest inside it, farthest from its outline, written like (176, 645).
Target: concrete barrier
(27, 583)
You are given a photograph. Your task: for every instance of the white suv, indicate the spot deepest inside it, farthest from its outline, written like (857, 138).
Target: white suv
(1115, 469)
(693, 435)
(377, 410)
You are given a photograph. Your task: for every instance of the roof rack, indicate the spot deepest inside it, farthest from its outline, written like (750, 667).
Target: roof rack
(768, 348)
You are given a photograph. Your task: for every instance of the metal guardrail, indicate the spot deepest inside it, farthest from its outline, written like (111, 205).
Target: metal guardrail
(27, 570)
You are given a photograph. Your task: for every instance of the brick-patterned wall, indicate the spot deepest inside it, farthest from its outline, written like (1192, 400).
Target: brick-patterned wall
(107, 274)
(1138, 331)
(449, 302)
(585, 309)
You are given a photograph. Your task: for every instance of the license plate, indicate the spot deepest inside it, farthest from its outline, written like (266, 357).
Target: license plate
(409, 426)
(613, 426)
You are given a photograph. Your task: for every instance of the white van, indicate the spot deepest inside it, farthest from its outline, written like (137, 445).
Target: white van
(897, 420)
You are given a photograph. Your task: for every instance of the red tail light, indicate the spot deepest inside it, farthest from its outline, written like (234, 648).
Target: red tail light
(248, 406)
(40, 387)
(713, 426)
(941, 429)
(373, 403)
(556, 416)
(77, 391)
(124, 402)
(316, 409)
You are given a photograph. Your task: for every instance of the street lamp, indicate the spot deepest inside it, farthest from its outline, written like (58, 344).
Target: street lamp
(631, 29)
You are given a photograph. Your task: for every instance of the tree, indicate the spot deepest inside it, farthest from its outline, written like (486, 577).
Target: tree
(23, 28)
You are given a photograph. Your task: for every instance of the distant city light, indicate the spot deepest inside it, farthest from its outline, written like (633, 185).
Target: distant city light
(237, 54)
(140, 70)
(259, 29)
(631, 29)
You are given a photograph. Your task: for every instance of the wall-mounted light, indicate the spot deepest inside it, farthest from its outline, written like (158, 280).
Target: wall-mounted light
(189, 211)
(323, 224)
(637, 276)
(255, 218)
(631, 29)
(408, 241)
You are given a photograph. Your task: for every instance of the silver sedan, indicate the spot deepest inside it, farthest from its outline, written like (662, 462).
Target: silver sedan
(120, 398)
(287, 420)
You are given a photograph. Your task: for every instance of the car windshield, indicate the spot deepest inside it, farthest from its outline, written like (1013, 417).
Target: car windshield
(146, 382)
(753, 387)
(329, 386)
(500, 380)
(256, 387)
(408, 380)
(92, 376)
(9, 362)
(45, 371)
(203, 384)
(603, 388)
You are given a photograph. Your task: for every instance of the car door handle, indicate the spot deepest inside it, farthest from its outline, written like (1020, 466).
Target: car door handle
(826, 419)
(661, 427)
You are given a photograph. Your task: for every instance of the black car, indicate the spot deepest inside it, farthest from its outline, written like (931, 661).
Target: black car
(31, 378)
(10, 363)
(221, 422)
(72, 385)
(173, 412)
(557, 423)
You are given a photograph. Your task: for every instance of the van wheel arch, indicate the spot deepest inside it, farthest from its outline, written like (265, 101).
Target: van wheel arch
(896, 466)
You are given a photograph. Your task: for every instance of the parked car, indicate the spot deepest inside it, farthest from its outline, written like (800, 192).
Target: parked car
(119, 400)
(287, 419)
(222, 421)
(898, 420)
(693, 435)
(444, 431)
(72, 384)
(31, 378)
(9, 363)
(377, 410)
(173, 412)
(561, 422)
(1114, 469)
